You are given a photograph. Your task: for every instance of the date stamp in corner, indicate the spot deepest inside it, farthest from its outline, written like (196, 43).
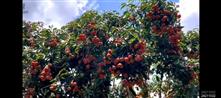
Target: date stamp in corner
(208, 94)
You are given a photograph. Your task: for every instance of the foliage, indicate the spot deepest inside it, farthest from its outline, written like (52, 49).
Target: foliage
(145, 47)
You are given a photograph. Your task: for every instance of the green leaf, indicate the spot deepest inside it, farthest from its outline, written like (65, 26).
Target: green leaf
(45, 33)
(126, 14)
(157, 78)
(135, 35)
(123, 5)
(132, 6)
(143, 6)
(132, 40)
(40, 56)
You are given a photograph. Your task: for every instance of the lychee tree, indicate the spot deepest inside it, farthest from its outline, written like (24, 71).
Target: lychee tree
(85, 57)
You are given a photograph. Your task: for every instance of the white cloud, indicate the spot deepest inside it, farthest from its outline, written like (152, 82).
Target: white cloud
(56, 12)
(189, 10)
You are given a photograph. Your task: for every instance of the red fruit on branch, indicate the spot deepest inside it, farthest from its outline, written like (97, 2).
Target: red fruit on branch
(142, 44)
(107, 62)
(130, 56)
(67, 50)
(58, 95)
(171, 30)
(174, 39)
(101, 64)
(140, 82)
(149, 15)
(136, 46)
(34, 64)
(30, 91)
(138, 58)
(99, 70)
(126, 83)
(110, 51)
(53, 42)
(110, 69)
(91, 25)
(126, 59)
(164, 29)
(118, 41)
(107, 37)
(117, 60)
(46, 69)
(33, 72)
(109, 55)
(155, 8)
(164, 19)
(178, 15)
(73, 83)
(42, 78)
(166, 12)
(194, 75)
(82, 37)
(94, 33)
(102, 75)
(121, 59)
(48, 77)
(95, 39)
(119, 65)
(157, 17)
(49, 65)
(53, 87)
(88, 66)
(76, 89)
(99, 44)
(43, 73)
(154, 28)
(141, 51)
(86, 61)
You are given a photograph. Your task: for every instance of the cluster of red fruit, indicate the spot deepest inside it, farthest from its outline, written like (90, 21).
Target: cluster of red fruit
(46, 73)
(82, 37)
(141, 46)
(34, 67)
(29, 93)
(96, 40)
(106, 61)
(117, 41)
(68, 53)
(87, 60)
(53, 42)
(195, 76)
(120, 61)
(109, 54)
(101, 73)
(162, 18)
(91, 25)
(53, 87)
(74, 86)
(163, 22)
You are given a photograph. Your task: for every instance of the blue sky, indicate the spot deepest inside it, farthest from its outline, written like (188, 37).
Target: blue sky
(60, 12)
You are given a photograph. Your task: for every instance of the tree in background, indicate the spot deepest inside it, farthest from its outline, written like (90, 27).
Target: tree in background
(145, 49)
